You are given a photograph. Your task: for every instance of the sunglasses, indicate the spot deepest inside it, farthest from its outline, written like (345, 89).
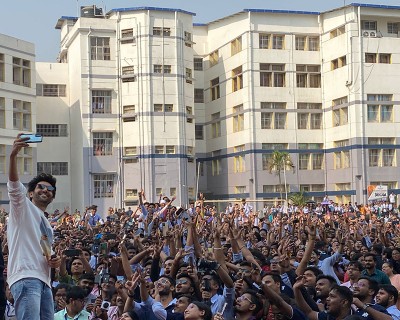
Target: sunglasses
(183, 281)
(43, 186)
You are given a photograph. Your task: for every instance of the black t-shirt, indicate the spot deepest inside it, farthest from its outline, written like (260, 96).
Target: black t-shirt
(366, 315)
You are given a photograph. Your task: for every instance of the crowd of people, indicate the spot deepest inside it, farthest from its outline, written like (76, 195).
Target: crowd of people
(160, 261)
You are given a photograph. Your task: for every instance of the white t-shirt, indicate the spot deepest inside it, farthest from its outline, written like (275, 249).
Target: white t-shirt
(26, 226)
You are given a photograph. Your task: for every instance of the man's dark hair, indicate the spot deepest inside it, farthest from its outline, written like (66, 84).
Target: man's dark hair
(332, 280)
(314, 270)
(42, 177)
(391, 290)
(74, 293)
(60, 286)
(378, 248)
(187, 276)
(357, 264)
(87, 276)
(274, 275)
(344, 293)
(372, 284)
(203, 307)
(370, 254)
(255, 300)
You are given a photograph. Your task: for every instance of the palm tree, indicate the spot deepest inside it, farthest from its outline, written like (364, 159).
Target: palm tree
(280, 160)
(298, 199)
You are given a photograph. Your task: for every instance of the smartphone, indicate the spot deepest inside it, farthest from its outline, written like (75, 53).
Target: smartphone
(103, 249)
(165, 229)
(95, 248)
(72, 252)
(33, 138)
(111, 236)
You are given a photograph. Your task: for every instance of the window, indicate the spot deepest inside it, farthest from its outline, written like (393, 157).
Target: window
(385, 58)
(370, 57)
(100, 48)
(198, 64)
(2, 69)
(239, 159)
(2, 112)
(308, 76)
(380, 112)
(271, 41)
(166, 108)
(271, 147)
(128, 74)
(389, 184)
(215, 125)
(310, 160)
(129, 113)
(127, 36)
(213, 58)
(158, 31)
(312, 187)
(25, 161)
(172, 192)
(236, 46)
(238, 118)
(273, 119)
(50, 90)
(199, 132)
(237, 79)
(101, 101)
(189, 76)
(338, 31)
(21, 72)
(264, 40)
(131, 193)
(313, 43)
(381, 156)
(198, 95)
(338, 63)
(309, 120)
(393, 27)
(52, 130)
(2, 158)
(130, 151)
(274, 77)
(342, 156)
(54, 168)
(277, 42)
(240, 189)
(343, 187)
(189, 151)
(22, 115)
(159, 68)
(188, 39)
(103, 185)
(189, 114)
(300, 42)
(170, 149)
(340, 115)
(159, 191)
(216, 163)
(215, 92)
(159, 150)
(368, 25)
(102, 143)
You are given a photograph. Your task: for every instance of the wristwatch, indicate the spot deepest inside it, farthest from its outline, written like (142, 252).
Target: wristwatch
(365, 306)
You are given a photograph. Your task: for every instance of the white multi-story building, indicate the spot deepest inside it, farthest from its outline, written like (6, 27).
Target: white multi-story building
(17, 106)
(142, 95)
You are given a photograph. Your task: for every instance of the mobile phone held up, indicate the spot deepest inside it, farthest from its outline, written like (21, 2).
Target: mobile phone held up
(33, 138)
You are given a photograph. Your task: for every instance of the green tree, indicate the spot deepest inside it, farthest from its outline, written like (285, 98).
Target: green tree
(298, 199)
(278, 162)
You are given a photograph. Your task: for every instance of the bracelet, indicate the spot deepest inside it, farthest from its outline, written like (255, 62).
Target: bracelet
(365, 306)
(241, 247)
(215, 248)
(131, 295)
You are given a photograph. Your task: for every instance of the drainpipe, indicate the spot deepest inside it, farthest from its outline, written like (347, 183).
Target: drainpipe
(89, 88)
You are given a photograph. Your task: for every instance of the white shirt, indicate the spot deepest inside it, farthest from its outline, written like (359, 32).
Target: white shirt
(26, 226)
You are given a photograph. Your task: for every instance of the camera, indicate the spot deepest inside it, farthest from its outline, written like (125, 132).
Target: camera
(105, 305)
(204, 264)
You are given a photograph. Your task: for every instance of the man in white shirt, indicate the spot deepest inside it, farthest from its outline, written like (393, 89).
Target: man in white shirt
(30, 236)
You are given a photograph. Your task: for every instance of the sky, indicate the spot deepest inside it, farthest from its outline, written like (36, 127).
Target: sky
(34, 21)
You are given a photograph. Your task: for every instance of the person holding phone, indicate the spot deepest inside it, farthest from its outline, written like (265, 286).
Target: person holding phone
(29, 238)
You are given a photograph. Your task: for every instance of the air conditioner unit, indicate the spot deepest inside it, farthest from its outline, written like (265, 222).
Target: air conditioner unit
(369, 33)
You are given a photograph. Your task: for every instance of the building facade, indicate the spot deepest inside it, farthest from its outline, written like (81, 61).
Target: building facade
(142, 98)
(17, 106)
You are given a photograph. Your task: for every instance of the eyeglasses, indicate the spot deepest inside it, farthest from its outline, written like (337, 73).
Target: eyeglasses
(162, 281)
(244, 271)
(182, 281)
(43, 186)
(241, 298)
